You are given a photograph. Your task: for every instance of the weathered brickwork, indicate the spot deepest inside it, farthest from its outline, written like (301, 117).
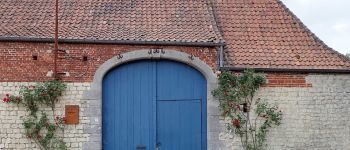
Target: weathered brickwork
(17, 64)
(316, 107)
(11, 129)
(286, 80)
(316, 117)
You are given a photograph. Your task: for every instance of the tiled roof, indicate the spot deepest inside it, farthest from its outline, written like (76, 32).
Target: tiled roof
(136, 20)
(265, 34)
(258, 33)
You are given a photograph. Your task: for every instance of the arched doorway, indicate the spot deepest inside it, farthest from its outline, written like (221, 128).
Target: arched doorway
(154, 103)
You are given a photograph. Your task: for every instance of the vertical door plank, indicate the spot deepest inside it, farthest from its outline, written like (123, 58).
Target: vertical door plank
(128, 104)
(179, 125)
(181, 97)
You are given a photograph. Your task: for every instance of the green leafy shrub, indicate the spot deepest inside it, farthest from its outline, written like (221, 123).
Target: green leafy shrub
(39, 127)
(236, 96)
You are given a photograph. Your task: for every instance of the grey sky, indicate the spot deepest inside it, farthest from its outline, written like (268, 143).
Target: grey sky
(328, 19)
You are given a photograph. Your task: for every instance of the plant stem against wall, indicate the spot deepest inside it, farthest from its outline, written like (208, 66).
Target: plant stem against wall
(249, 118)
(40, 127)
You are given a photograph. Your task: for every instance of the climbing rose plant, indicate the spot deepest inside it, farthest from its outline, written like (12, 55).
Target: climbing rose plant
(249, 118)
(39, 126)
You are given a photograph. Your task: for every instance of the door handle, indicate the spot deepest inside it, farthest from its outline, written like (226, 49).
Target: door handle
(141, 148)
(157, 145)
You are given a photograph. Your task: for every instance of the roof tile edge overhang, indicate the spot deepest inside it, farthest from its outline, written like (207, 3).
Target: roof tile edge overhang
(119, 42)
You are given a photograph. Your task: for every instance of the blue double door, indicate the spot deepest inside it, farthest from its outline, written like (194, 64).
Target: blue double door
(154, 105)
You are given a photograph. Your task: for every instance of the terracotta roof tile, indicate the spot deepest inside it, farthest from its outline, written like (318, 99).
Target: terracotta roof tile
(266, 34)
(138, 20)
(258, 33)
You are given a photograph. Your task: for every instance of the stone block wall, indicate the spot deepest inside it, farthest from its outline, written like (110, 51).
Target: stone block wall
(316, 117)
(11, 129)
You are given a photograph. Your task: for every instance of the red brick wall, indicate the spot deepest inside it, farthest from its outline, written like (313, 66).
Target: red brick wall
(16, 63)
(286, 80)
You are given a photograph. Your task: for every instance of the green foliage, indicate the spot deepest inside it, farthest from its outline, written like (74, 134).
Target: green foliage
(38, 127)
(236, 94)
(347, 55)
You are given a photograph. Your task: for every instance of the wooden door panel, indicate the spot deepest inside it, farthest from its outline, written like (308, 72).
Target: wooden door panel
(128, 104)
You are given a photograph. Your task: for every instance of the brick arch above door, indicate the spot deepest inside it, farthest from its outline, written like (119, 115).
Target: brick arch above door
(94, 95)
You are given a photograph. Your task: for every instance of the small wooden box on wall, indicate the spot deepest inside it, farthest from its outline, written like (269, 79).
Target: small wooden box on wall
(72, 114)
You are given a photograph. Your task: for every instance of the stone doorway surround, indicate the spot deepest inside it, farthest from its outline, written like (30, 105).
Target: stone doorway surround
(94, 95)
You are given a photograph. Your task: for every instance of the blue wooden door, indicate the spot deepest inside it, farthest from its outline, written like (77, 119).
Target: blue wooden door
(154, 104)
(181, 107)
(128, 107)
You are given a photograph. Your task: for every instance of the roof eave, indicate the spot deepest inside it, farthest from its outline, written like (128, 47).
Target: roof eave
(290, 70)
(121, 42)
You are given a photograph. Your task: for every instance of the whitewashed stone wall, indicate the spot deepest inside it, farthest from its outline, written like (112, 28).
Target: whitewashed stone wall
(315, 118)
(11, 129)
